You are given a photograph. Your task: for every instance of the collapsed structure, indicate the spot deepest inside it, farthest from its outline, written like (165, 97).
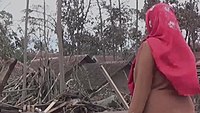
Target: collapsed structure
(86, 87)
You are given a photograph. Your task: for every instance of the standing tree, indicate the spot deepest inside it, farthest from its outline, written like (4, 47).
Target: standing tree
(9, 42)
(60, 44)
(189, 19)
(25, 52)
(112, 27)
(101, 30)
(42, 26)
(74, 16)
(119, 27)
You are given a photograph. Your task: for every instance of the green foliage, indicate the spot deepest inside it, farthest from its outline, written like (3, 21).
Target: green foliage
(117, 27)
(189, 20)
(74, 17)
(9, 41)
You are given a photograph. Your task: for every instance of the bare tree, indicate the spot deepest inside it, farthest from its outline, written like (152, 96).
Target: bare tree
(45, 39)
(112, 29)
(25, 51)
(42, 24)
(74, 17)
(120, 24)
(60, 41)
(101, 30)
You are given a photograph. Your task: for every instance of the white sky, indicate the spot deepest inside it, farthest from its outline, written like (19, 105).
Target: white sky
(16, 6)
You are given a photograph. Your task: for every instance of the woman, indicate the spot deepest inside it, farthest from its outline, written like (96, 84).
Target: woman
(163, 76)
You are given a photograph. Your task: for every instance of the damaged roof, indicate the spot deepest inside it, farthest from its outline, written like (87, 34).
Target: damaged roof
(69, 62)
(109, 58)
(96, 76)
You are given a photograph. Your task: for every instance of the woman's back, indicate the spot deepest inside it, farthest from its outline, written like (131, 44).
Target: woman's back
(163, 98)
(153, 92)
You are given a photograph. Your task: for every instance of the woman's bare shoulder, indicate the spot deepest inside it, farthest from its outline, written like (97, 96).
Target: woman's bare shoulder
(145, 48)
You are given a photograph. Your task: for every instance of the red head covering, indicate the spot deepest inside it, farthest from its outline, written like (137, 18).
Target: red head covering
(172, 55)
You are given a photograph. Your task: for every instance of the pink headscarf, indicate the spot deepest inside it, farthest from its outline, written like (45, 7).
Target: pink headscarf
(171, 54)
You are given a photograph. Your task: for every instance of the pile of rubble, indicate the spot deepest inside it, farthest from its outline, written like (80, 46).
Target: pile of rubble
(43, 94)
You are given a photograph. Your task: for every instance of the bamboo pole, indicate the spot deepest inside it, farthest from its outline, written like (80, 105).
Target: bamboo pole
(60, 41)
(25, 51)
(115, 87)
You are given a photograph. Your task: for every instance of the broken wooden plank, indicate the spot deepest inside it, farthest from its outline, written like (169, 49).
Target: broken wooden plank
(11, 91)
(28, 108)
(13, 82)
(50, 106)
(6, 72)
(10, 111)
(51, 88)
(6, 106)
(27, 98)
(107, 101)
(115, 87)
(57, 107)
(33, 78)
(114, 112)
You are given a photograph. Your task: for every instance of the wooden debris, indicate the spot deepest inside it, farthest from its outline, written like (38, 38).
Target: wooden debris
(42, 94)
(57, 108)
(115, 112)
(107, 101)
(8, 106)
(5, 73)
(50, 106)
(114, 86)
